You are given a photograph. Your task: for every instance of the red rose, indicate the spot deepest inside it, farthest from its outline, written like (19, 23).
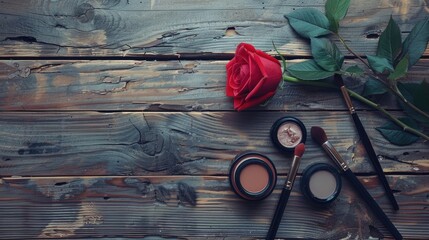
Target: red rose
(252, 77)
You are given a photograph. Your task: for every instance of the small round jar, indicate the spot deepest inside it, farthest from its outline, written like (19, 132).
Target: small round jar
(252, 176)
(287, 132)
(321, 184)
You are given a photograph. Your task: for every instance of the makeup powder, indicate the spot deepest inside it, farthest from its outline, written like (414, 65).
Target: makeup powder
(320, 183)
(287, 132)
(252, 176)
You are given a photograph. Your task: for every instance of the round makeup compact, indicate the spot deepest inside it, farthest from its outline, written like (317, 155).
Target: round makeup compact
(287, 132)
(321, 183)
(252, 176)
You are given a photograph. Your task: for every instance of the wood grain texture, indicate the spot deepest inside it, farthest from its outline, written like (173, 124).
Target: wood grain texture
(95, 143)
(137, 28)
(189, 207)
(90, 143)
(152, 86)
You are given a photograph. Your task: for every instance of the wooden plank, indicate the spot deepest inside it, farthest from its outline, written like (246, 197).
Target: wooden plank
(137, 28)
(90, 143)
(151, 86)
(189, 207)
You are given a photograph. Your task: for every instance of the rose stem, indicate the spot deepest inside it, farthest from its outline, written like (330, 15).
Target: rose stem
(394, 89)
(362, 99)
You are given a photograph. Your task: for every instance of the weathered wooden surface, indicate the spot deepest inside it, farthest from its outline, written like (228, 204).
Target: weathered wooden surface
(90, 143)
(151, 86)
(137, 28)
(96, 142)
(195, 208)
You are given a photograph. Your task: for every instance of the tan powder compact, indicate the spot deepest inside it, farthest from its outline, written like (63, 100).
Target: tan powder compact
(252, 176)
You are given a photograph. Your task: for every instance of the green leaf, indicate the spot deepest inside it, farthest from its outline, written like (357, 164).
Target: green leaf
(379, 64)
(309, 22)
(335, 10)
(373, 87)
(418, 95)
(400, 70)
(415, 43)
(334, 24)
(389, 44)
(355, 70)
(308, 70)
(326, 54)
(395, 135)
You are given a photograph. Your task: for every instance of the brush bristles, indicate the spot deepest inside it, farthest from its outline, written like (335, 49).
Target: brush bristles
(318, 135)
(299, 150)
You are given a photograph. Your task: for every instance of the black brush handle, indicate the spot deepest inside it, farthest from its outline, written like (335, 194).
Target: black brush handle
(372, 204)
(373, 157)
(278, 214)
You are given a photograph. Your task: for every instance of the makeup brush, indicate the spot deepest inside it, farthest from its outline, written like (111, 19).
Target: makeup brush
(366, 142)
(287, 188)
(319, 136)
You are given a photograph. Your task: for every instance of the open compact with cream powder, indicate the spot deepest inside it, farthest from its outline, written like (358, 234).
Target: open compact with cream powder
(320, 183)
(287, 132)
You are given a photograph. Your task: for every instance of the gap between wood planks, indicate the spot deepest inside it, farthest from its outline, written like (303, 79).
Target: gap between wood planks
(167, 57)
(175, 111)
(145, 57)
(369, 174)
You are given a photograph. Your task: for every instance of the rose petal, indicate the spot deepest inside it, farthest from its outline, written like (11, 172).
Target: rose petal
(256, 91)
(238, 102)
(253, 101)
(241, 50)
(238, 82)
(255, 73)
(235, 72)
(273, 69)
(272, 77)
(267, 56)
(229, 77)
(261, 85)
(248, 47)
(229, 91)
(252, 76)
(241, 88)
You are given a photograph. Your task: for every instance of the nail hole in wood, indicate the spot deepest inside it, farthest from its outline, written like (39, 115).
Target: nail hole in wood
(60, 183)
(372, 35)
(230, 32)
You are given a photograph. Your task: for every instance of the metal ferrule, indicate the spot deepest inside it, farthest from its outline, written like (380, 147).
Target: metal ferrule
(332, 152)
(347, 99)
(292, 173)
